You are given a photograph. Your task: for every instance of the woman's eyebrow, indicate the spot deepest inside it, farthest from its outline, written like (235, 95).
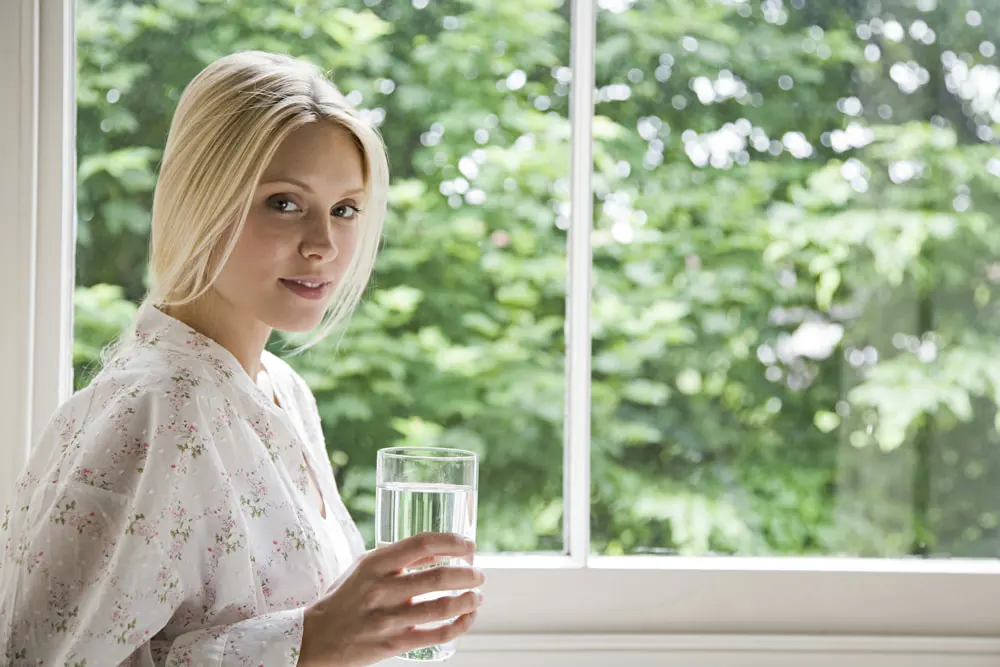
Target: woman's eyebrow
(353, 192)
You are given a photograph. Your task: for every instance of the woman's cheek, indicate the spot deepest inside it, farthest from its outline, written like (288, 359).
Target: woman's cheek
(352, 237)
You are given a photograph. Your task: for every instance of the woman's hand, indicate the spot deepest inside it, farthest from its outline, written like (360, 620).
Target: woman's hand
(370, 616)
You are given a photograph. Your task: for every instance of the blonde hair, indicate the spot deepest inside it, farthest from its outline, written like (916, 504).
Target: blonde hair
(229, 122)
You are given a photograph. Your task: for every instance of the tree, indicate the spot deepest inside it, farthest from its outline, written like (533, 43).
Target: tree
(794, 313)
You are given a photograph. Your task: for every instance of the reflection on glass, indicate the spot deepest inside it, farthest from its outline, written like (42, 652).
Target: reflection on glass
(796, 309)
(460, 340)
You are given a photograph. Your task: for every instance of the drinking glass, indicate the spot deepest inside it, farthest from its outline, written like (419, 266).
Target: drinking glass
(420, 490)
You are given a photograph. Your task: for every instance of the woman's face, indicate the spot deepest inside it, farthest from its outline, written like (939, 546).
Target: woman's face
(301, 231)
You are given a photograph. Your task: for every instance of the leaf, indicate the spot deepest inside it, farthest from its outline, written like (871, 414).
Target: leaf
(646, 392)
(829, 281)
(826, 421)
(689, 381)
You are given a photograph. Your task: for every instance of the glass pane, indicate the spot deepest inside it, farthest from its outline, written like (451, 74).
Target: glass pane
(797, 305)
(459, 342)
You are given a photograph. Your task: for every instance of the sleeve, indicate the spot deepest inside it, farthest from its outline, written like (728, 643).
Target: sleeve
(134, 521)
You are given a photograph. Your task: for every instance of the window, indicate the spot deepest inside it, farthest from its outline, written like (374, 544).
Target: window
(796, 279)
(460, 343)
(772, 440)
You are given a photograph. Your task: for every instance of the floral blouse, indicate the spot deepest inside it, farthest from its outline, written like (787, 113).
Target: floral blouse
(166, 516)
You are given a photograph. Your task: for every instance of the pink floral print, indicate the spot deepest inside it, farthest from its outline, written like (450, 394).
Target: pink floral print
(165, 517)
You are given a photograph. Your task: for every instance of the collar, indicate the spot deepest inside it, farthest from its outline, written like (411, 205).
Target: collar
(156, 329)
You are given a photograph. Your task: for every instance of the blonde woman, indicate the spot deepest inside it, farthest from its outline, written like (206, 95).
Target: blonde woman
(181, 510)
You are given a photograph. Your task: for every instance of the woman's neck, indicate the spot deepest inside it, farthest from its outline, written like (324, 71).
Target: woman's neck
(242, 334)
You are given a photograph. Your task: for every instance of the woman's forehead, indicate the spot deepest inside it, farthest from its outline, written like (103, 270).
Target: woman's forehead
(316, 157)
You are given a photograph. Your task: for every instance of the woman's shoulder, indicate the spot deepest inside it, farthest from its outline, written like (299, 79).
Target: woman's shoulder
(145, 379)
(135, 409)
(160, 366)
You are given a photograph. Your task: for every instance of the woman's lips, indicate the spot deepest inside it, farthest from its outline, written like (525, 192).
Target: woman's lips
(307, 289)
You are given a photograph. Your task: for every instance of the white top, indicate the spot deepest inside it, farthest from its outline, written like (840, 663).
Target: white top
(341, 548)
(165, 516)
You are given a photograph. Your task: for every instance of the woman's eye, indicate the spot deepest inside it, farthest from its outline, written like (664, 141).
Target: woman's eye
(284, 205)
(346, 211)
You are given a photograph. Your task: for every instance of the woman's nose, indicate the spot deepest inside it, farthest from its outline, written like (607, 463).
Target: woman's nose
(319, 242)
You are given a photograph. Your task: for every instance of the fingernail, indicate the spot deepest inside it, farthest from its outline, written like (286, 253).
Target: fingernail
(480, 574)
(479, 597)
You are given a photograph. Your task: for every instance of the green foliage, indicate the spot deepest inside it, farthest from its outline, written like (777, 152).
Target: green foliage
(795, 272)
(101, 313)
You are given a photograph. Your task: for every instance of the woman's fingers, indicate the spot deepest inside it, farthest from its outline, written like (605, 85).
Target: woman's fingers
(411, 585)
(445, 633)
(434, 560)
(423, 547)
(439, 609)
(407, 616)
(425, 562)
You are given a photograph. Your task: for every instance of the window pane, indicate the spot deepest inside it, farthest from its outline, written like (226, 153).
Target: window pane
(459, 342)
(796, 302)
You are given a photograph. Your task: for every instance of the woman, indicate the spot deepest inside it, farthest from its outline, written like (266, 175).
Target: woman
(181, 510)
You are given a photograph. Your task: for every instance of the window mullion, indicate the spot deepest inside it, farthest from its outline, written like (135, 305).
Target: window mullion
(576, 450)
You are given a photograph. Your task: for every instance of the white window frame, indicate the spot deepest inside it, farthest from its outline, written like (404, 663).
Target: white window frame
(37, 247)
(576, 609)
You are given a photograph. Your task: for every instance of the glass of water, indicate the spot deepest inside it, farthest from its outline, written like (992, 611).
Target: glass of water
(426, 490)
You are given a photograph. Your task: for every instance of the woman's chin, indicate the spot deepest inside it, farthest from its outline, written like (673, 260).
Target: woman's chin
(297, 322)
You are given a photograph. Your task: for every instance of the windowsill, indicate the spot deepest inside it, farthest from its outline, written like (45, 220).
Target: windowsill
(635, 650)
(818, 564)
(535, 593)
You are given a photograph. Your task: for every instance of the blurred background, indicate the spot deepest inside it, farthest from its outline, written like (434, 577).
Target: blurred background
(796, 300)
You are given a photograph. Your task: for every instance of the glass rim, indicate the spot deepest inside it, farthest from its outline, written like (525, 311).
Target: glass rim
(450, 454)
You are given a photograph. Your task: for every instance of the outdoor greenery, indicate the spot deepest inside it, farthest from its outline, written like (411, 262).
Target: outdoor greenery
(796, 285)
